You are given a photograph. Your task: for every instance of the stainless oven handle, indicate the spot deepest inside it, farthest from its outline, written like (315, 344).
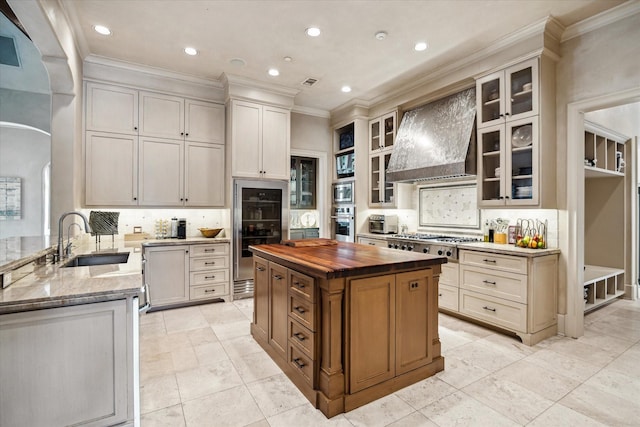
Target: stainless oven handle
(147, 299)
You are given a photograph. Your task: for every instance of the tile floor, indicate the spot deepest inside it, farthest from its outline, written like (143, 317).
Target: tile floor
(200, 367)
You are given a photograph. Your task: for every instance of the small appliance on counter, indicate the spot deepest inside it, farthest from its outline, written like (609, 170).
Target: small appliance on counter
(383, 224)
(182, 228)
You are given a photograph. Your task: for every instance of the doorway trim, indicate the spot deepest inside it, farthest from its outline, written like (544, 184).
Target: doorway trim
(574, 248)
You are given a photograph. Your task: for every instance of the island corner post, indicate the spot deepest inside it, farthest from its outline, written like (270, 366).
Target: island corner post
(347, 323)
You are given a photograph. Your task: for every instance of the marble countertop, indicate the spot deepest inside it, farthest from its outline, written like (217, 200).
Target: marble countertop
(497, 248)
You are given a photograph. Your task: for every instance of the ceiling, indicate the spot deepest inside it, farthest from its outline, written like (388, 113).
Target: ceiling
(154, 33)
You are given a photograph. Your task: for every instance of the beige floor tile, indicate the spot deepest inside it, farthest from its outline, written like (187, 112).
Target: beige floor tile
(512, 346)
(618, 384)
(583, 351)
(158, 393)
(202, 336)
(603, 407)
(167, 417)
(230, 408)
(155, 365)
(486, 356)
(460, 372)
(227, 331)
(460, 409)
(184, 359)
(561, 416)
(467, 329)
(628, 362)
(241, 346)
(246, 307)
(415, 419)
(380, 412)
(425, 392)
(626, 329)
(508, 398)
(450, 339)
(307, 416)
(184, 319)
(207, 379)
(612, 345)
(275, 394)
(221, 313)
(164, 343)
(539, 380)
(255, 366)
(210, 353)
(261, 423)
(562, 364)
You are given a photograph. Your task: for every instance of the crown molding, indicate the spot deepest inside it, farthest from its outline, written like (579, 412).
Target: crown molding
(309, 111)
(75, 27)
(231, 80)
(600, 20)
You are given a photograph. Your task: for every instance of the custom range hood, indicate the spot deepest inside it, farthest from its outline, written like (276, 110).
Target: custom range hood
(436, 141)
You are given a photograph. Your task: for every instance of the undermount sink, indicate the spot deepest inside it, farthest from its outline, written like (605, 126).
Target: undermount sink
(98, 259)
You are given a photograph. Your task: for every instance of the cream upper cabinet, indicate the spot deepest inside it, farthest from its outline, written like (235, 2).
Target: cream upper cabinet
(382, 136)
(204, 174)
(161, 172)
(382, 132)
(111, 109)
(260, 136)
(204, 122)
(111, 173)
(161, 115)
(517, 136)
(509, 94)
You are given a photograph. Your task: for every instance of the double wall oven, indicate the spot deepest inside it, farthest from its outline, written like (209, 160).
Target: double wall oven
(343, 212)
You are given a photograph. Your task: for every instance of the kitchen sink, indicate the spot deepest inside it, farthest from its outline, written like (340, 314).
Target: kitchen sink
(98, 259)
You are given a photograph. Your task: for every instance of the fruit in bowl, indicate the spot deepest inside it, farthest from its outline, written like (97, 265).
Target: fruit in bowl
(210, 232)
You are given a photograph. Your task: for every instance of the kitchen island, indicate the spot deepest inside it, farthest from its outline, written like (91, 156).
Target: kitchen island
(347, 323)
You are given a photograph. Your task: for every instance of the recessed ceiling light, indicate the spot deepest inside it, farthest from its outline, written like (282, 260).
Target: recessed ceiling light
(101, 29)
(238, 62)
(287, 59)
(313, 31)
(346, 89)
(274, 72)
(381, 35)
(190, 51)
(420, 46)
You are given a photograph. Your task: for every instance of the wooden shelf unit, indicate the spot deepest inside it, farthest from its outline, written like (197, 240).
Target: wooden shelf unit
(602, 285)
(602, 145)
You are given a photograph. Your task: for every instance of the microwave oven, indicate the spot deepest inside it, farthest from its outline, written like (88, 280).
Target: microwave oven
(383, 224)
(343, 192)
(345, 165)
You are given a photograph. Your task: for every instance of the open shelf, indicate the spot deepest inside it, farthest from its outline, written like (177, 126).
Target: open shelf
(602, 284)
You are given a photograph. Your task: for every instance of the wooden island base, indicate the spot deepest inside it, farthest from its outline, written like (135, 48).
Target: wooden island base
(347, 323)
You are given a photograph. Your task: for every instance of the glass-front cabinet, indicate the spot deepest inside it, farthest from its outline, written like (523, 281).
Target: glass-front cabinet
(382, 136)
(508, 165)
(302, 186)
(509, 94)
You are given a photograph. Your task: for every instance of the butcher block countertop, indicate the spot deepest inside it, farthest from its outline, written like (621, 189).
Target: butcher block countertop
(341, 259)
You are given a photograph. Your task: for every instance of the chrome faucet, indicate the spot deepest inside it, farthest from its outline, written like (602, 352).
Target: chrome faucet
(61, 250)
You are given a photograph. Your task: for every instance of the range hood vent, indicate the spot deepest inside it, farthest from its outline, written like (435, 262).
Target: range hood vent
(436, 141)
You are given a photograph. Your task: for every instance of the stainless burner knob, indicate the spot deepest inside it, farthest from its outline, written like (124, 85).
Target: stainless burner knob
(390, 245)
(440, 252)
(410, 248)
(425, 250)
(396, 247)
(404, 247)
(449, 253)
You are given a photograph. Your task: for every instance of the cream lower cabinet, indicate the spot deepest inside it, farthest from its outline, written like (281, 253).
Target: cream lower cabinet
(515, 292)
(177, 274)
(448, 287)
(372, 241)
(69, 365)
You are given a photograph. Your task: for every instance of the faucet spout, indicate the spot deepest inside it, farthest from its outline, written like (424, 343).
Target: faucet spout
(87, 228)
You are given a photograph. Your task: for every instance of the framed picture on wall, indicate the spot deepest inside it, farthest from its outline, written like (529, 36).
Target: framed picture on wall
(10, 205)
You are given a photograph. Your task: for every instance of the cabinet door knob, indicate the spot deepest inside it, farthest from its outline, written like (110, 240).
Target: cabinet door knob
(135, 128)
(506, 114)
(186, 134)
(181, 133)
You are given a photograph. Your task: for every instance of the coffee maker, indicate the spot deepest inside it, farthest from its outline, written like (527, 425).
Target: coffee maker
(182, 228)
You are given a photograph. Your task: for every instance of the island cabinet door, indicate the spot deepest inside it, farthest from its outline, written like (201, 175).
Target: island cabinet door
(413, 333)
(260, 298)
(278, 313)
(372, 331)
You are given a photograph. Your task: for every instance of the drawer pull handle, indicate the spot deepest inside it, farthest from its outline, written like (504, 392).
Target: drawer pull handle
(206, 291)
(209, 277)
(298, 362)
(489, 308)
(439, 295)
(489, 282)
(299, 285)
(489, 260)
(210, 263)
(300, 310)
(209, 250)
(299, 336)
(278, 277)
(260, 268)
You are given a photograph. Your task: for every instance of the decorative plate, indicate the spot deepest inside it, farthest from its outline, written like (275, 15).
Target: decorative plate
(522, 136)
(308, 219)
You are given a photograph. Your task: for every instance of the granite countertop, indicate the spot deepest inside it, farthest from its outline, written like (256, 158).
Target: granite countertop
(497, 248)
(187, 241)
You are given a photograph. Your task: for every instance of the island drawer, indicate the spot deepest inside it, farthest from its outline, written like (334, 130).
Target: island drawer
(209, 249)
(302, 337)
(302, 286)
(302, 363)
(512, 263)
(208, 263)
(497, 311)
(303, 311)
(499, 284)
(210, 291)
(448, 297)
(209, 277)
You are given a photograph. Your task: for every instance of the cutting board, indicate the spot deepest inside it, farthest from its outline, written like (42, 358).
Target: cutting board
(135, 236)
(306, 243)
